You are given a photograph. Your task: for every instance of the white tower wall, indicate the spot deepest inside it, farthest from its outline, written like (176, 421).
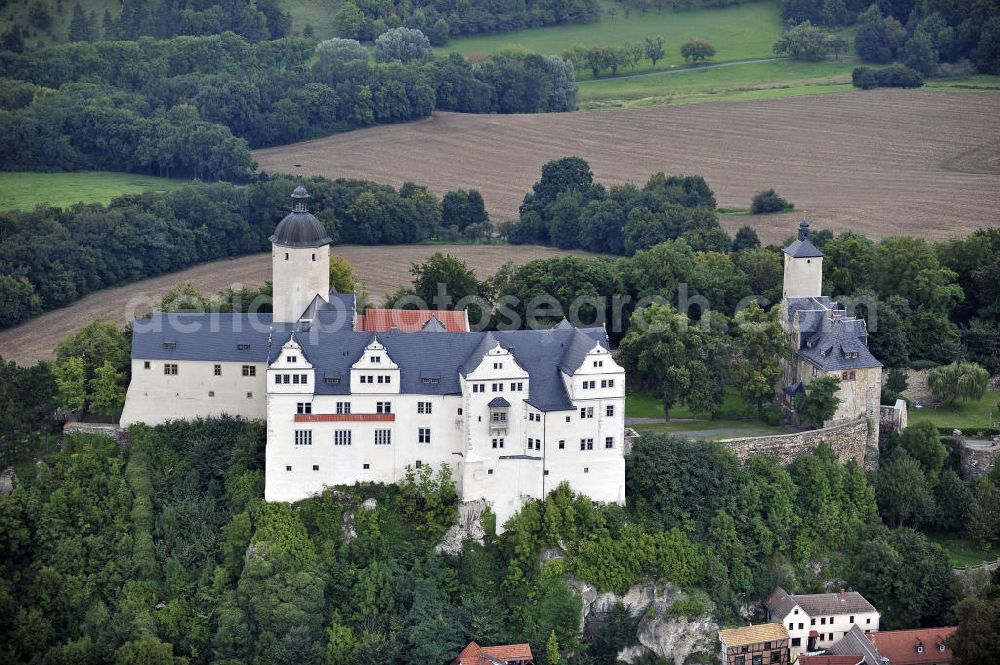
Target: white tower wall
(300, 274)
(803, 277)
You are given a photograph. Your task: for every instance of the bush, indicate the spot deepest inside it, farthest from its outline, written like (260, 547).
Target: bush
(893, 76)
(923, 364)
(767, 202)
(687, 607)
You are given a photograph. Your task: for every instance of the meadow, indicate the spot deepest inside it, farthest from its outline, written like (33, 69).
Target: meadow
(24, 190)
(739, 32)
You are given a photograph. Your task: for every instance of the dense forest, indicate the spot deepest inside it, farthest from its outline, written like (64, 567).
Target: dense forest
(50, 257)
(194, 106)
(164, 552)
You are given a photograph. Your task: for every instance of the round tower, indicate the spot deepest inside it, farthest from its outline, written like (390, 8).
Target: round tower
(803, 266)
(300, 260)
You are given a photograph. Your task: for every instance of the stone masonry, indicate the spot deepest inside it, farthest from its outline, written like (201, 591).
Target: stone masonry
(849, 441)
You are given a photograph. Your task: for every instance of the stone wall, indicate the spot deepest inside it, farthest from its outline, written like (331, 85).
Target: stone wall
(918, 391)
(977, 458)
(891, 419)
(848, 441)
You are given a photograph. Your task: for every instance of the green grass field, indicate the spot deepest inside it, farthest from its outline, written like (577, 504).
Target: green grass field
(317, 13)
(644, 405)
(24, 190)
(963, 552)
(738, 33)
(726, 429)
(974, 413)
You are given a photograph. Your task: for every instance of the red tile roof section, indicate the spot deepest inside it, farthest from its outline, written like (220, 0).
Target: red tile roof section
(900, 646)
(410, 320)
(477, 655)
(828, 659)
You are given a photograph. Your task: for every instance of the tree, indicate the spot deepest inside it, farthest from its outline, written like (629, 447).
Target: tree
(697, 49)
(923, 443)
(746, 237)
(903, 491)
(96, 343)
(759, 343)
(552, 656)
(439, 33)
(977, 639)
(653, 48)
(71, 380)
(764, 270)
(820, 401)
(442, 281)
(678, 359)
(80, 27)
(599, 58)
(107, 392)
(878, 38)
(18, 300)
(804, 42)
(337, 52)
(349, 22)
(958, 381)
(768, 201)
(403, 45)
(919, 53)
(342, 275)
(953, 500)
(40, 14)
(983, 521)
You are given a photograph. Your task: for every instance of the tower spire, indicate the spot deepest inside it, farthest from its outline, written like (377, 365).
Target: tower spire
(804, 226)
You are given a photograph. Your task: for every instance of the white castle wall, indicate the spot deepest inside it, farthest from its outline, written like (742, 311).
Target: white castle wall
(299, 275)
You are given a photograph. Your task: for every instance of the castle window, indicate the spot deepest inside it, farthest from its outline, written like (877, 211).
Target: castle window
(145, 365)
(286, 256)
(211, 393)
(313, 257)
(303, 437)
(847, 376)
(288, 468)
(567, 418)
(304, 407)
(852, 618)
(295, 378)
(249, 395)
(430, 380)
(941, 647)
(423, 407)
(217, 370)
(383, 437)
(242, 346)
(315, 467)
(920, 648)
(546, 472)
(598, 363)
(375, 359)
(498, 416)
(497, 365)
(459, 410)
(498, 387)
(332, 380)
(586, 444)
(609, 442)
(170, 368)
(367, 379)
(586, 469)
(383, 407)
(609, 411)
(424, 435)
(366, 466)
(562, 444)
(815, 371)
(475, 387)
(170, 346)
(343, 407)
(498, 443)
(489, 472)
(248, 370)
(586, 412)
(342, 437)
(775, 656)
(291, 359)
(304, 377)
(419, 464)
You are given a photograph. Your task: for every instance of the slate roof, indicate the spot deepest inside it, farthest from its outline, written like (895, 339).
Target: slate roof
(421, 356)
(576, 352)
(764, 632)
(779, 603)
(499, 403)
(803, 249)
(854, 642)
(830, 604)
(300, 228)
(827, 335)
(900, 646)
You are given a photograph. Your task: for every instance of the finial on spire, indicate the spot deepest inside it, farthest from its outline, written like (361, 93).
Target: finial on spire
(299, 198)
(804, 226)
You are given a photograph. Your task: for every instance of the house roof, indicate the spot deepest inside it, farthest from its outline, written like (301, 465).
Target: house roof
(421, 356)
(764, 632)
(498, 403)
(830, 604)
(830, 659)
(574, 355)
(496, 655)
(779, 603)
(828, 338)
(855, 642)
(900, 646)
(412, 320)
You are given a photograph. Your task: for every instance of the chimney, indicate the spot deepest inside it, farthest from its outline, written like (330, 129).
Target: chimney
(843, 595)
(837, 316)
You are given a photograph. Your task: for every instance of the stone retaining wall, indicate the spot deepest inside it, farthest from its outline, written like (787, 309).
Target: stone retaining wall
(848, 441)
(918, 391)
(891, 419)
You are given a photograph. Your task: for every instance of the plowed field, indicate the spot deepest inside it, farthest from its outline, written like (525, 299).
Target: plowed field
(878, 162)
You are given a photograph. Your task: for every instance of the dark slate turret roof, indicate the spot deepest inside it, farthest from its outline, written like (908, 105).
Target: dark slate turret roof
(499, 403)
(430, 363)
(300, 228)
(828, 336)
(803, 248)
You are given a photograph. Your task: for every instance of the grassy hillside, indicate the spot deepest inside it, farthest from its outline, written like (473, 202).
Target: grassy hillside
(738, 33)
(62, 14)
(317, 13)
(25, 190)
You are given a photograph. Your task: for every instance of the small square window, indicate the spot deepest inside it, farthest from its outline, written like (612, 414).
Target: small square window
(562, 444)
(420, 464)
(459, 410)
(489, 472)
(567, 418)
(211, 393)
(249, 395)
(586, 469)
(145, 365)
(546, 472)
(366, 466)
(288, 468)
(315, 467)
(217, 370)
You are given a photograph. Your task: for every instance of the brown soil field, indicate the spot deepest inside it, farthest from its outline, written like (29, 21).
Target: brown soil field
(382, 268)
(877, 162)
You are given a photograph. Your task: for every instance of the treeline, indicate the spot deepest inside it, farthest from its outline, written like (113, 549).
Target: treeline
(567, 209)
(194, 106)
(366, 20)
(180, 560)
(644, 6)
(932, 38)
(50, 257)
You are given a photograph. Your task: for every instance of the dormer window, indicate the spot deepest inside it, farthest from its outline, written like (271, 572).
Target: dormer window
(242, 346)
(170, 346)
(920, 648)
(375, 359)
(291, 359)
(941, 647)
(850, 354)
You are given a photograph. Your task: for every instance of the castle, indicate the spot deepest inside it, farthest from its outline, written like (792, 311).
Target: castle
(351, 397)
(824, 340)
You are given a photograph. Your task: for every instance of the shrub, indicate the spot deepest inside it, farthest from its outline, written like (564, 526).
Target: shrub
(767, 202)
(686, 607)
(893, 76)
